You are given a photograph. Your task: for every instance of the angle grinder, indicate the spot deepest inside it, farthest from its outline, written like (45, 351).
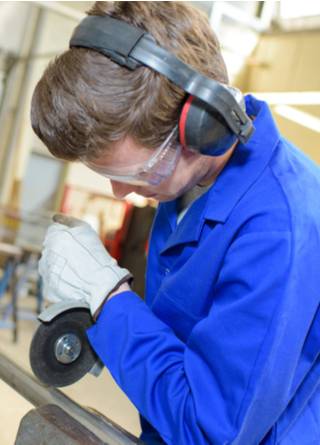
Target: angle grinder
(60, 353)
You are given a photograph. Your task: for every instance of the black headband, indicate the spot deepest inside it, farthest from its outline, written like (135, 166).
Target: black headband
(132, 47)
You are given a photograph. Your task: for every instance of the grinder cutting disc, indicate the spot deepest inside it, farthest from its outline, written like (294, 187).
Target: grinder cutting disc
(60, 353)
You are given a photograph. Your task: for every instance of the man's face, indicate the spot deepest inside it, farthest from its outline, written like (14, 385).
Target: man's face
(190, 170)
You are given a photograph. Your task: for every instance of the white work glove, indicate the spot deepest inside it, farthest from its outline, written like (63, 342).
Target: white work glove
(75, 265)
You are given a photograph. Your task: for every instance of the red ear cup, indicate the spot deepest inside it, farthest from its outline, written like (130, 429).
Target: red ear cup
(182, 122)
(203, 129)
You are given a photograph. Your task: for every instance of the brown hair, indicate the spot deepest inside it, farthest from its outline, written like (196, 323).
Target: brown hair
(85, 103)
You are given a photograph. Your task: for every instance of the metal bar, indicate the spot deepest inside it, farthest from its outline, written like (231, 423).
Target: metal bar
(22, 381)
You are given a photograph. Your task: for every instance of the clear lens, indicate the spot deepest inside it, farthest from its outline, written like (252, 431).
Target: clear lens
(140, 179)
(151, 172)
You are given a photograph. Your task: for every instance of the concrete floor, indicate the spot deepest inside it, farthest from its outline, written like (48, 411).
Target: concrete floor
(100, 393)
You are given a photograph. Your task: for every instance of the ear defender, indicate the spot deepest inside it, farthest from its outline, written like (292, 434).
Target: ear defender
(213, 117)
(203, 129)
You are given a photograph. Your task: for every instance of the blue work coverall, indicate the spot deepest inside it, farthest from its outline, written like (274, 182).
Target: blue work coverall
(225, 349)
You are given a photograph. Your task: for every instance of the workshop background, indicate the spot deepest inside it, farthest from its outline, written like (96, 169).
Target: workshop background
(272, 49)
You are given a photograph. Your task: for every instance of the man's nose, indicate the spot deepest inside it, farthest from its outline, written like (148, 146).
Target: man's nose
(120, 190)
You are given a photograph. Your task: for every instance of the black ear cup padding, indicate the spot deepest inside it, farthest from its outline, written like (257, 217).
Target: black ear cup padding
(205, 130)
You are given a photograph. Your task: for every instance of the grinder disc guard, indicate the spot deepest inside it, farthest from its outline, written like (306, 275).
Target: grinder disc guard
(60, 353)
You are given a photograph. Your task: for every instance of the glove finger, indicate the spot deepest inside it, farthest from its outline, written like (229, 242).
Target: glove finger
(68, 221)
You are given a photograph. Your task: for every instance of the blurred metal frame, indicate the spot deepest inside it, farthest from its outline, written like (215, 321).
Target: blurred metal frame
(22, 381)
(16, 88)
(18, 80)
(60, 9)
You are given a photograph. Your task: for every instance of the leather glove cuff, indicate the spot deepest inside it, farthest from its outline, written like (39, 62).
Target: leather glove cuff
(127, 278)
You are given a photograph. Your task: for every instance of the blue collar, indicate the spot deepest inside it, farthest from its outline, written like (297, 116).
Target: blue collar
(243, 169)
(246, 164)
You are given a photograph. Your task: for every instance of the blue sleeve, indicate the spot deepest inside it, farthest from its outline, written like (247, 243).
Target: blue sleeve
(229, 382)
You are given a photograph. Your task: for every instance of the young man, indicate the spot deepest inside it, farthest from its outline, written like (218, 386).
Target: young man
(225, 349)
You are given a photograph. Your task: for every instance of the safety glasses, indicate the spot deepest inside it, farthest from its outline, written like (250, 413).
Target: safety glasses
(147, 172)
